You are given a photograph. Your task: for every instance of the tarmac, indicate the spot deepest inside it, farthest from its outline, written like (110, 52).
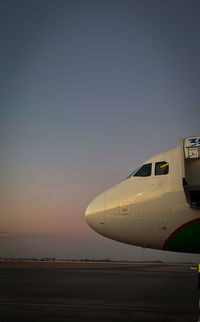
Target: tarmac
(105, 292)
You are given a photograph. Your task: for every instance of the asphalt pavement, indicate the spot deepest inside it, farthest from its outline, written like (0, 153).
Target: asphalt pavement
(94, 292)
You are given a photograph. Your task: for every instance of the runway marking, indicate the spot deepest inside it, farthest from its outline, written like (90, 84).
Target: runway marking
(98, 307)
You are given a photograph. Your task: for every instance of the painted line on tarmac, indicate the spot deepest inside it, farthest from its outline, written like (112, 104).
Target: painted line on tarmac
(98, 307)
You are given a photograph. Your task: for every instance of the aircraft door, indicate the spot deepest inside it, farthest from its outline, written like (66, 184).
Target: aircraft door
(191, 176)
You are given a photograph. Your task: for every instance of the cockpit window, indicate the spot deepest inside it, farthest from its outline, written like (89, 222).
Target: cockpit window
(161, 168)
(132, 173)
(144, 171)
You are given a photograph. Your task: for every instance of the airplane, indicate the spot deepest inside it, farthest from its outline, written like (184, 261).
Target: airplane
(158, 205)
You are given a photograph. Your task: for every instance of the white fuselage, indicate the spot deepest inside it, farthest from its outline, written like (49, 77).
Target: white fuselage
(150, 211)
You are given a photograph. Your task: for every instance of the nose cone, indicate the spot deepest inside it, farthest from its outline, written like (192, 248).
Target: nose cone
(94, 213)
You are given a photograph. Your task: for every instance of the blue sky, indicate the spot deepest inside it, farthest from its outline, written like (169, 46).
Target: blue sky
(89, 90)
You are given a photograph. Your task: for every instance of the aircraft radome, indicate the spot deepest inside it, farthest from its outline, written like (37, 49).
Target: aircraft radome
(158, 205)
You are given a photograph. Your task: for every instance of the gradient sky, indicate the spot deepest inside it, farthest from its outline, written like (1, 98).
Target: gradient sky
(88, 91)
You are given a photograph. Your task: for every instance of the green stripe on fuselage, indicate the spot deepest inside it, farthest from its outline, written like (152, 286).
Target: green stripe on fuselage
(187, 240)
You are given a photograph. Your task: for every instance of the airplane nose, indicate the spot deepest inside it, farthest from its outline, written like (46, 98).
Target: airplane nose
(94, 213)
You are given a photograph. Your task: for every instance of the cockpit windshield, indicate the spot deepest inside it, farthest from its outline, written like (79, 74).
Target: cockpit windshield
(161, 168)
(143, 171)
(132, 173)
